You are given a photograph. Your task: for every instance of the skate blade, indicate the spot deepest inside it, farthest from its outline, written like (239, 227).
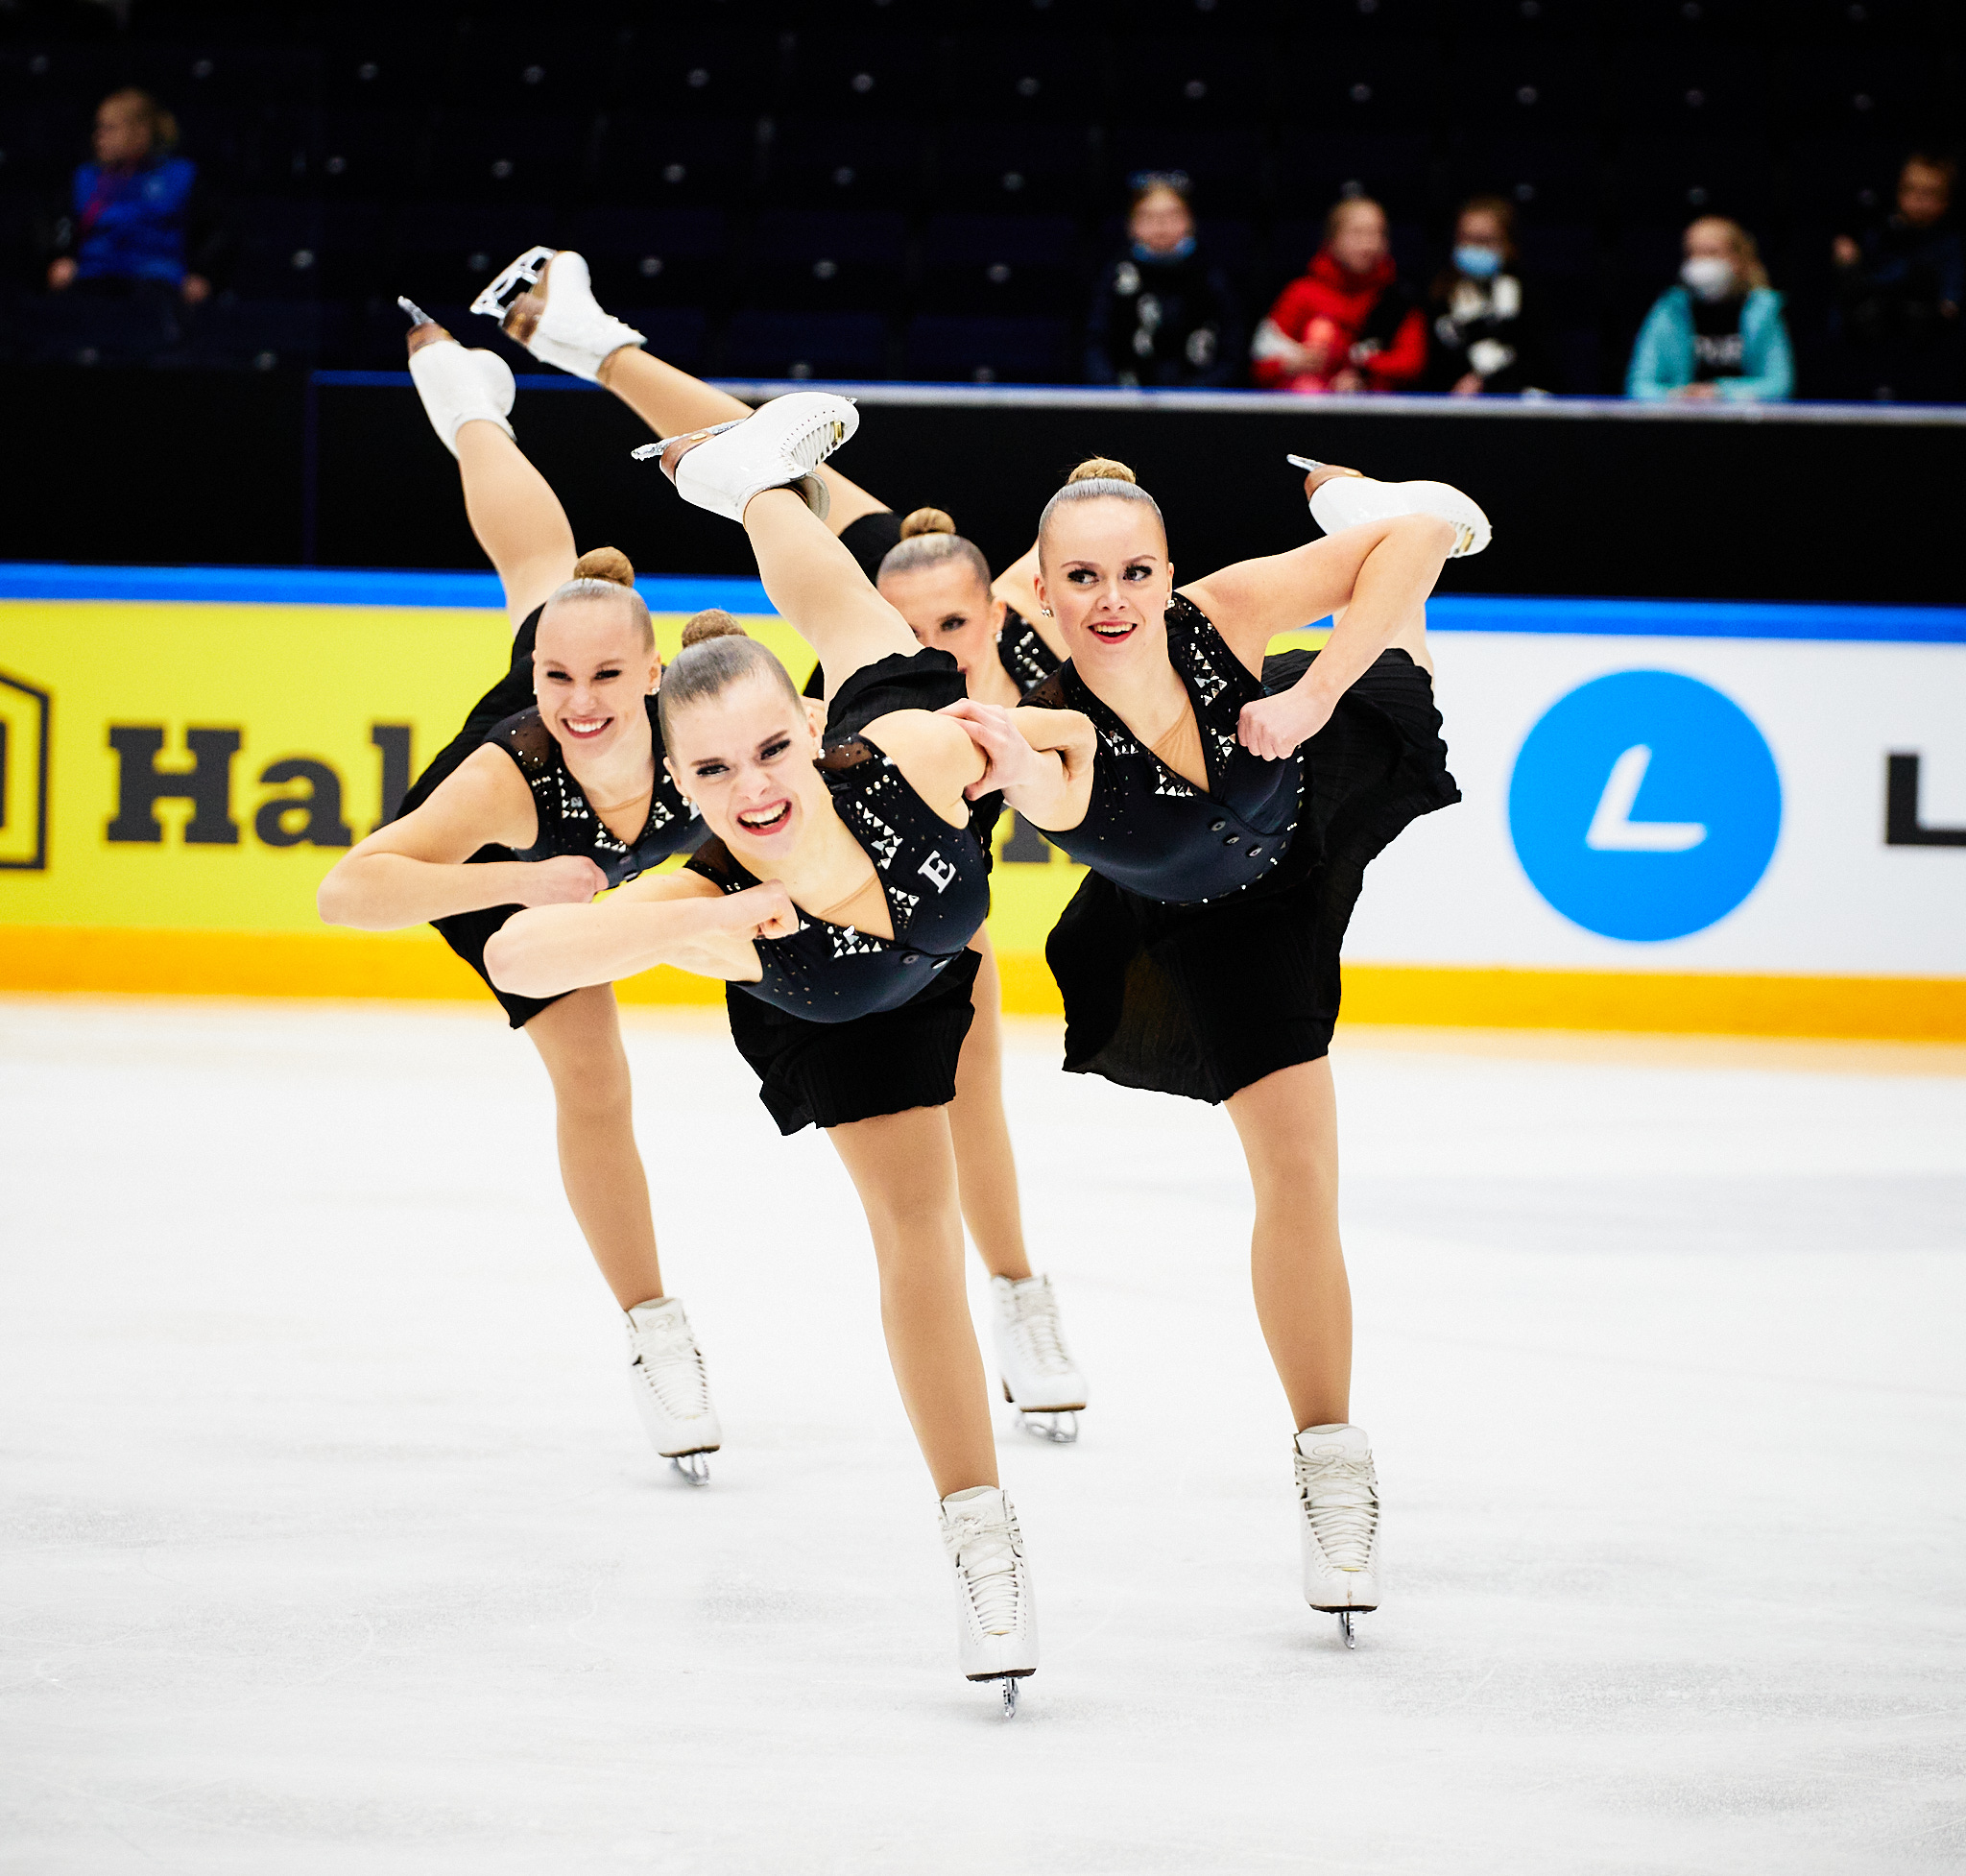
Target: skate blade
(506, 286)
(1345, 1628)
(1009, 1688)
(1303, 462)
(1057, 1426)
(693, 1466)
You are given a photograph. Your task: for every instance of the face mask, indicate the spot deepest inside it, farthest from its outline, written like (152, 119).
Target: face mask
(1478, 263)
(1181, 251)
(1709, 275)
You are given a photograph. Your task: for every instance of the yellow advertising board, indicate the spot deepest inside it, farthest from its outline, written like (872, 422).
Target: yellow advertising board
(177, 774)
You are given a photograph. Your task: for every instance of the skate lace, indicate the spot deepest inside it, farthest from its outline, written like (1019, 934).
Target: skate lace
(1035, 1326)
(985, 1554)
(672, 1370)
(1340, 1499)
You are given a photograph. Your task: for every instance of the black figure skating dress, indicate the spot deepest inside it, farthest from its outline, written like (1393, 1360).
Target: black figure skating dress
(843, 1026)
(507, 718)
(1201, 953)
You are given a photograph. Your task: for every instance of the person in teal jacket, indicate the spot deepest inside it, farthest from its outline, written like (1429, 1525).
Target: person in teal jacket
(1720, 333)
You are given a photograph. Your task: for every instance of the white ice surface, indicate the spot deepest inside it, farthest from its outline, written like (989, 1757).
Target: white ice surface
(332, 1543)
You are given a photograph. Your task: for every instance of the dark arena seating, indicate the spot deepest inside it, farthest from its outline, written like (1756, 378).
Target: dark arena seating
(892, 189)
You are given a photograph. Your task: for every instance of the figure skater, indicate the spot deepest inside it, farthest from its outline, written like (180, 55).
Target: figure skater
(837, 899)
(1228, 810)
(941, 586)
(553, 790)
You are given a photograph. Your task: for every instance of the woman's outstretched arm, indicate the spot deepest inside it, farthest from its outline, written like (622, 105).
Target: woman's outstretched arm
(1377, 576)
(414, 869)
(672, 918)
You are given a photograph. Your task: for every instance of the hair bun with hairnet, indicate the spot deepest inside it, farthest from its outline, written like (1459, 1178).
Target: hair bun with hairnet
(608, 564)
(927, 521)
(713, 623)
(1101, 468)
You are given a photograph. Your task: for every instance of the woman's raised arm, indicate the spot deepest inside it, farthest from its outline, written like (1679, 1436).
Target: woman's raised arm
(414, 870)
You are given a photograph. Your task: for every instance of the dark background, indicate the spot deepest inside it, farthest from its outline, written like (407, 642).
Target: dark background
(214, 467)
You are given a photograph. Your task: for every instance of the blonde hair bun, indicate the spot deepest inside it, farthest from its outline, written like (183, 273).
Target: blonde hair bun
(927, 521)
(608, 564)
(714, 623)
(1101, 468)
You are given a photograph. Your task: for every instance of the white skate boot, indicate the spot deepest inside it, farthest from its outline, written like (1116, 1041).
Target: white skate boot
(1337, 1498)
(1345, 500)
(996, 1619)
(1039, 1378)
(672, 1393)
(776, 447)
(457, 387)
(545, 301)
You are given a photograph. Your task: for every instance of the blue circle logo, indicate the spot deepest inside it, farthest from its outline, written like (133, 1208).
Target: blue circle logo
(1644, 806)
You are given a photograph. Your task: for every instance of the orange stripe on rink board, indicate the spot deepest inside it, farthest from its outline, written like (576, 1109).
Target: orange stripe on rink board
(419, 965)
(1902, 1009)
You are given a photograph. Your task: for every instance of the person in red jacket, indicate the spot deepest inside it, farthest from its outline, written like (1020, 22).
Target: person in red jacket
(1346, 323)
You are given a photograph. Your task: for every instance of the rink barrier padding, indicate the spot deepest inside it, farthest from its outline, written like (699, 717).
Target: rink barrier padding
(417, 966)
(185, 751)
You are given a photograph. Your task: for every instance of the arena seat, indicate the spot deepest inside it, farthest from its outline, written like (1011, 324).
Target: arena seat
(777, 345)
(1022, 77)
(1316, 165)
(1007, 167)
(691, 68)
(676, 161)
(987, 351)
(507, 156)
(820, 163)
(826, 260)
(660, 256)
(998, 264)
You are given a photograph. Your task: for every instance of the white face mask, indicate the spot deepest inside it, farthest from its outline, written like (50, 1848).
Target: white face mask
(1709, 275)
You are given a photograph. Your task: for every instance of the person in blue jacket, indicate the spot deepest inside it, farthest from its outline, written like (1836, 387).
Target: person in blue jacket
(136, 220)
(1720, 333)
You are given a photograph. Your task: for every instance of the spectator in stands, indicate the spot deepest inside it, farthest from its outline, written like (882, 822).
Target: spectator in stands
(1346, 323)
(1164, 313)
(1899, 290)
(137, 224)
(1720, 333)
(1485, 335)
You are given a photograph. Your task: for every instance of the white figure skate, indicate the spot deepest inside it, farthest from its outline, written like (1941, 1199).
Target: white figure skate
(672, 1393)
(996, 1619)
(1343, 501)
(1337, 1501)
(1038, 1376)
(777, 447)
(545, 301)
(457, 387)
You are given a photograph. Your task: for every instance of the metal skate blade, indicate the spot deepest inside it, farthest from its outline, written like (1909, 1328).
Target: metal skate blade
(416, 314)
(1304, 462)
(1345, 1628)
(1060, 1427)
(1009, 1688)
(693, 1466)
(509, 283)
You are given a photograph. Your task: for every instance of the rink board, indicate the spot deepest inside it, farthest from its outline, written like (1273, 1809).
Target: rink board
(1701, 817)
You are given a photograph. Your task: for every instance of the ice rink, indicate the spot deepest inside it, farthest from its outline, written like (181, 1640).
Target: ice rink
(332, 1543)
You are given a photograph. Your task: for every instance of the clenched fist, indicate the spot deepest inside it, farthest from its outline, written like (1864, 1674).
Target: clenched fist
(565, 879)
(1275, 727)
(762, 912)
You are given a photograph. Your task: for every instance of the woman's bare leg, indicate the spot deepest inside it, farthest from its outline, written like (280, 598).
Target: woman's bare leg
(904, 1165)
(579, 1039)
(985, 1166)
(1288, 1124)
(672, 403)
(819, 589)
(517, 516)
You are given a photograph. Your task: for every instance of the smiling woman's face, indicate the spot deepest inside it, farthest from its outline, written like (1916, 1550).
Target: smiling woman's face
(1104, 572)
(745, 757)
(591, 672)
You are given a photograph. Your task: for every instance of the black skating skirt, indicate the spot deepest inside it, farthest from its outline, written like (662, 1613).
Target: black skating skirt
(1202, 1001)
(468, 933)
(825, 1074)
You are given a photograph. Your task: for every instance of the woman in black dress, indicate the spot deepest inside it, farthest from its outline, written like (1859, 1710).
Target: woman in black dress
(553, 790)
(1228, 806)
(837, 898)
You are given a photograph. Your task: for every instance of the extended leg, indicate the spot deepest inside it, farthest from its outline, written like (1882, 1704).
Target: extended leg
(517, 516)
(579, 1039)
(819, 589)
(1288, 1124)
(671, 403)
(903, 1167)
(985, 1166)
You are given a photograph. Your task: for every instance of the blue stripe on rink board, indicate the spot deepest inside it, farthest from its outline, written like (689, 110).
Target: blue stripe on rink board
(325, 585)
(1624, 619)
